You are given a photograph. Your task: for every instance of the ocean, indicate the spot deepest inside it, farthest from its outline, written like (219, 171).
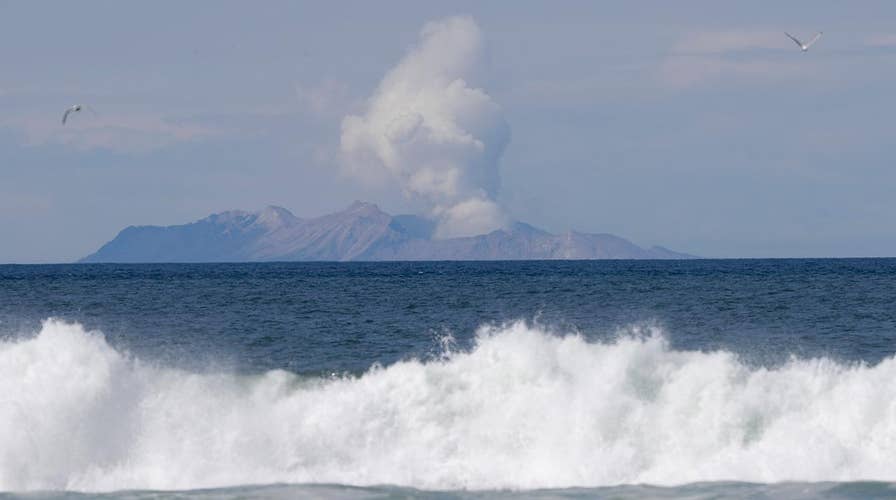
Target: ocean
(545, 379)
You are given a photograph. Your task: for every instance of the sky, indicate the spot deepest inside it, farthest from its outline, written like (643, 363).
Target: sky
(694, 125)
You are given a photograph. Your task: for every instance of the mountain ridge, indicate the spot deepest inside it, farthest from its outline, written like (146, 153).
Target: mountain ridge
(361, 232)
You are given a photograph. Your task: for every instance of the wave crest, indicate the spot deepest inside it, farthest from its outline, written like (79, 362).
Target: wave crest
(522, 409)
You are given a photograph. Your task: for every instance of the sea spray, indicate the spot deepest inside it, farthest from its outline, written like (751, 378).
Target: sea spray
(522, 408)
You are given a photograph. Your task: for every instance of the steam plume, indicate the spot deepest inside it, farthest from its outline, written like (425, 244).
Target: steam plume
(436, 133)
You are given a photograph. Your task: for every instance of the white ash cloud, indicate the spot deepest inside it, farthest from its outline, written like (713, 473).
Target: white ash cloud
(429, 127)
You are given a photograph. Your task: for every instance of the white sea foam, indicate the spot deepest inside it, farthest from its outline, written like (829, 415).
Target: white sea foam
(522, 409)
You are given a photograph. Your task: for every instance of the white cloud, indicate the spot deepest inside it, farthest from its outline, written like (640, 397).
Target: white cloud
(720, 42)
(428, 127)
(691, 71)
(710, 57)
(470, 217)
(123, 133)
(881, 40)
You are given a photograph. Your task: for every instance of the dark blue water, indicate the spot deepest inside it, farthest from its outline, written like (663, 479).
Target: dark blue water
(616, 379)
(325, 317)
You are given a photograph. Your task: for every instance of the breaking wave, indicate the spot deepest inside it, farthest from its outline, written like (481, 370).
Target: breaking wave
(521, 409)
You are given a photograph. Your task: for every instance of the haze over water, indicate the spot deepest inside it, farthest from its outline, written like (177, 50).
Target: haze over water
(383, 380)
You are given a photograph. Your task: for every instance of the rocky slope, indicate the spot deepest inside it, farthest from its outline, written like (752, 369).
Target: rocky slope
(360, 232)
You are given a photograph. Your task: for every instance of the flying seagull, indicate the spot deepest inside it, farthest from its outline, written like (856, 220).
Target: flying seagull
(73, 109)
(804, 46)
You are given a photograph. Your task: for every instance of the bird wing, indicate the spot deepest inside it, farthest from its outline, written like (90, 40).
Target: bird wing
(817, 36)
(65, 116)
(794, 39)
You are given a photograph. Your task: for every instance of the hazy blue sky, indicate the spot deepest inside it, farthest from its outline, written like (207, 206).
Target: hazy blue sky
(695, 125)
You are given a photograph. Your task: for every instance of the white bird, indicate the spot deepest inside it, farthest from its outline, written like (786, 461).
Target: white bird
(73, 109)
(804, 46)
